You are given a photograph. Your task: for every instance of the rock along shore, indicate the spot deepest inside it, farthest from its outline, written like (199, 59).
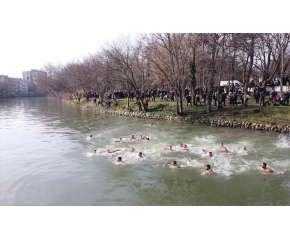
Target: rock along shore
(212, 122)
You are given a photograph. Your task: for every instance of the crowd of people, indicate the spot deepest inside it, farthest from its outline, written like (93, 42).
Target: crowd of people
(233, 95)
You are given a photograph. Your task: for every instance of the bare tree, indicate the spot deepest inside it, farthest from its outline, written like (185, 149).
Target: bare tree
(169, 56)
(127, 64)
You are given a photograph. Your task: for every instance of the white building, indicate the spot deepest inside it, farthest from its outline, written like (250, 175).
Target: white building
(23, 85)
(30, 76)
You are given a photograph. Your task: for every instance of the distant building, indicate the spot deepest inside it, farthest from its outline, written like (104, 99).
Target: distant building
(4, 78)
(13, 85)
(30, 76)
(3, 83)
(23, 85)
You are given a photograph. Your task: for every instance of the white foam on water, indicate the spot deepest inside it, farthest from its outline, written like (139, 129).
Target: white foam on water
(236, 161)
(283, 141)
(205, 139)
(90, 154)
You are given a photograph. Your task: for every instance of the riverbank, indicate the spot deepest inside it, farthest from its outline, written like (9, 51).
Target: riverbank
(256, 117)
(12, 95)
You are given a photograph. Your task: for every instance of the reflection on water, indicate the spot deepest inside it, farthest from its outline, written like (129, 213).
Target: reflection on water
(47, 158)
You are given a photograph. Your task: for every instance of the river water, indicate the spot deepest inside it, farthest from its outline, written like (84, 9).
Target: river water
(47, 159)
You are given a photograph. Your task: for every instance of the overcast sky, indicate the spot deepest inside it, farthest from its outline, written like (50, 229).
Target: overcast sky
(33, 33)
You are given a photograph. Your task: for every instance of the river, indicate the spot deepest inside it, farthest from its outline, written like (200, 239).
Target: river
(47, 159)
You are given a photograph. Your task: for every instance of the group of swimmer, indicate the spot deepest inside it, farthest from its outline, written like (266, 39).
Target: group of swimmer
(184, 147)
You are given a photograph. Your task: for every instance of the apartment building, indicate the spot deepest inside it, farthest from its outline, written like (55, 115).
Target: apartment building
(30, 76)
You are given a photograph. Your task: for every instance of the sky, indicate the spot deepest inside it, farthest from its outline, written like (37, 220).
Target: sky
(34, 33)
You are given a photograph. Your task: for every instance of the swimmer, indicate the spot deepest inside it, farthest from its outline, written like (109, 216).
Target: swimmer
(265, 168)
(210, 155)
(208, 170)
(144, 137)
(140, 155)
(132, 138)
(223, 148)
(174, 163)
(244, 149)
(95, 151)
(119, 160)
(90, 137)
(132, 150)
(169, 149)
(113, 151)
(185, 147)
(150, 124)
(119, 140)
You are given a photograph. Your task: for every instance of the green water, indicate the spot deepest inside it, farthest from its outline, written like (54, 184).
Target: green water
(47, 159)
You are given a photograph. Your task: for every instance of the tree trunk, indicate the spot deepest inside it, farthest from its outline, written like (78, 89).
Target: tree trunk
(177, 107)
(180, 103)
(128, 102)
(282, 74)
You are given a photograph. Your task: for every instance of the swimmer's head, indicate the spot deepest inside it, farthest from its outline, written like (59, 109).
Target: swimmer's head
(181, 145)
(140, 154)
(207, 167)
(119, 159)
(174, 162)
(210, 154)
(170, 147)
(120, 139)
(264, 165)
(244, 148)
(91, 135)
(222, 144)
(95, 151)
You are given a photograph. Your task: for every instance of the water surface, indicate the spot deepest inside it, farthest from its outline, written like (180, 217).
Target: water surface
(47, 159)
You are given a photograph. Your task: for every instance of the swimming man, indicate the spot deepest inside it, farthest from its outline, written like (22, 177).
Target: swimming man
(169, 149)
(265, 168)
(208, 170)
(223, 148)
(113, 151)
(174, 163)
(119, 160)
(119, 140)
(132, 138)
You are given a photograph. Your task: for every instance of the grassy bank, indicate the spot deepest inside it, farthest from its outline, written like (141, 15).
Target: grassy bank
(254, 113)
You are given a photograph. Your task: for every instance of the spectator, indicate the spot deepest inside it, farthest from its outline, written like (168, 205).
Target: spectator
(188, 98)
(146, 101)
(139, 105)
(262, 98)
(286, 98)
(257, 96)
(246, 99)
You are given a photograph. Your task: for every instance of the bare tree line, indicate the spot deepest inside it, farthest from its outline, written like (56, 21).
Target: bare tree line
(175, 61)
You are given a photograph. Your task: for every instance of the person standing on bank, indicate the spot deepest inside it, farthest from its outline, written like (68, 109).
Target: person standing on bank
(286, 98)
(257, 96)
(262, 98)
